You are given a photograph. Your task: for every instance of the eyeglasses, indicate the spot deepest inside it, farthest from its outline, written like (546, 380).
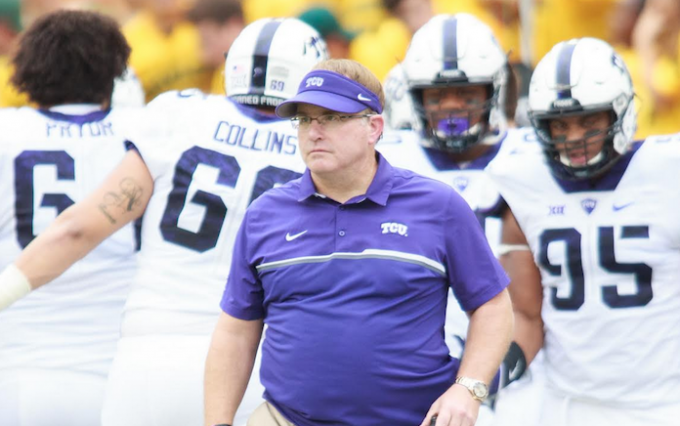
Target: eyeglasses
(326, 120)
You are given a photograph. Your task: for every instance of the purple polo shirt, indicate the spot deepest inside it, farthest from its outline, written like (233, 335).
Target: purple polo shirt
(354, 295)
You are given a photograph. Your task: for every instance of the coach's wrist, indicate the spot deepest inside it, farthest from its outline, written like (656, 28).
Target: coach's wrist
(477, 388)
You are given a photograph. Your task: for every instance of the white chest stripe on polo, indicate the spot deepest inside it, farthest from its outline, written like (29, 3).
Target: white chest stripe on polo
(398, 256)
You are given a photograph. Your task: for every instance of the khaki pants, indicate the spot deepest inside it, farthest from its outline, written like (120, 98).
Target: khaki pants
(267, 415)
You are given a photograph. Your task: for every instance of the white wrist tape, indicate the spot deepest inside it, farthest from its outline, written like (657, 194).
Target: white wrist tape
(507, 248)
(13, 286)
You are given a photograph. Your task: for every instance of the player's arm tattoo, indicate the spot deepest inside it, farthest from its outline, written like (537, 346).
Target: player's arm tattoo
(117, 203)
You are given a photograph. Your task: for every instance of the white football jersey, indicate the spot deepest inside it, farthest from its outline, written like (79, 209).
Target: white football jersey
(208, 164)
(48, 161)
(609, 257)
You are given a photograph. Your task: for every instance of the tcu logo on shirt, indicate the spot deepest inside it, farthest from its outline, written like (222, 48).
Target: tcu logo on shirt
(394, 228)
(314, 81)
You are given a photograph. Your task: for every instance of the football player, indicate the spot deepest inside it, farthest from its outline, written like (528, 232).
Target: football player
(193, 178)
(57, 345)
(597, 212)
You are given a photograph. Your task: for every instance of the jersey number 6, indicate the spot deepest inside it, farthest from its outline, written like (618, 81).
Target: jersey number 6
(215, 210)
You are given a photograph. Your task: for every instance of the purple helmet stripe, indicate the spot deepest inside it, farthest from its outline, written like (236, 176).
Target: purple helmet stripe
(564, 71)
(261, 56)
(450, 43)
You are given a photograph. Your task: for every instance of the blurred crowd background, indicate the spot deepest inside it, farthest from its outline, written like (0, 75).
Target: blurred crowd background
(179, 44)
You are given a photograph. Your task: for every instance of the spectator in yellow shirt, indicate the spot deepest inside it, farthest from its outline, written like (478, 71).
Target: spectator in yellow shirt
(382, 49)
(166, 48)
(10, 25)
(559, 20)
(656, 42)
(219, 22)
(9, 95)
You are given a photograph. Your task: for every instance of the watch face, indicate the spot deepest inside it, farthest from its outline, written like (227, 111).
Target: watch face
(480, 390)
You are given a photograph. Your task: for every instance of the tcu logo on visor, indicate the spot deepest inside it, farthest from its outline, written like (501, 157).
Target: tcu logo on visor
(314, 81)
(394, 228)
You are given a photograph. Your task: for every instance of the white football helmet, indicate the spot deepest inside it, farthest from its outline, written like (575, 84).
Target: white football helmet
(128, 91)
(579, 77)
(268, 60)
(449, 51)
(399, 112)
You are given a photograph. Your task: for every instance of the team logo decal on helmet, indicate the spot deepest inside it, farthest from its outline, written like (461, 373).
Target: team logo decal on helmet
(317, 45)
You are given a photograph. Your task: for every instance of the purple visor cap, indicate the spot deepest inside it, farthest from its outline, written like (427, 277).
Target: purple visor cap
(332, 91)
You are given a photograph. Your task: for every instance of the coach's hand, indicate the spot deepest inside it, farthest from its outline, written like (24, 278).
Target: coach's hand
(455, 407)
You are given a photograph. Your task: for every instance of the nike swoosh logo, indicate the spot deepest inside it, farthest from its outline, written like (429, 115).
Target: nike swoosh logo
(512, 374)
(622, 206)
(363, 98)
(294, 236)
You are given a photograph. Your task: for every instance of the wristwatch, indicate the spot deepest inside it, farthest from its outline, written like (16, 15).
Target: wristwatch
(477, 388)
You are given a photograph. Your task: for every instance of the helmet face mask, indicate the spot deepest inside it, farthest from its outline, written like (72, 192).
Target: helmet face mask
(454, 129)
(584, 157)
(581, 78)
(268, 60)
(450, 51)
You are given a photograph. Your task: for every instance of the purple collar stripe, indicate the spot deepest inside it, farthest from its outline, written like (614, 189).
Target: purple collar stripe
(79, 119)
(332, 91)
